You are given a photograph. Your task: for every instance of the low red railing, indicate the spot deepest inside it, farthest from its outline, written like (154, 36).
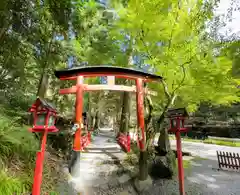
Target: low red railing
(124, 140)
(85, 140)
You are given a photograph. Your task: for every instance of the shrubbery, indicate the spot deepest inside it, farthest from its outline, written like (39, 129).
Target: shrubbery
(18, 149)
(17, 155)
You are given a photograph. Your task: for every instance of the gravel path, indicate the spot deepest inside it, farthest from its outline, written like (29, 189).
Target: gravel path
(204, 172)
(99, 169)
(99, 172)
(204, 150)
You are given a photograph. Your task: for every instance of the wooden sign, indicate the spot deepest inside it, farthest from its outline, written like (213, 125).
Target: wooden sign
(111, 80)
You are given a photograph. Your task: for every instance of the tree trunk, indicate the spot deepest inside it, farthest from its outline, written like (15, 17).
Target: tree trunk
(89, 115)
(164, 165)
(118, 115)
(42, 89)
(86, 102)
(43, 85)
(143, 165)
(90, 121)
(16, 19)
(163, 140)
(97, 120)
(165, 162)
(148, 120)
(125, 116)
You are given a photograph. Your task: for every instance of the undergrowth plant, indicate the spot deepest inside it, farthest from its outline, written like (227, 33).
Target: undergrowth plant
(18, 149)
(17, 155)
(10, 184)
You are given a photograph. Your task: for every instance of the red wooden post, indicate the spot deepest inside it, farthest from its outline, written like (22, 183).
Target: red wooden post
(177, 117)
(180, 163)
(140, 111)
(47, 119)
(89, 137)
(35, 118)
(78, 111)
(39, 167)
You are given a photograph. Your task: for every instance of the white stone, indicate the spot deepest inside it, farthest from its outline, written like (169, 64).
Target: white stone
(123, 193)
(143, 185)
(124, 178)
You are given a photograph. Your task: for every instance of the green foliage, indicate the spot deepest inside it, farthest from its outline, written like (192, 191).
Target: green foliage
(18, 149)
(131, 159)
(14, 139)
(17, 155)
(222, 142)
(234, 52)
(172, 37)
(11, 184)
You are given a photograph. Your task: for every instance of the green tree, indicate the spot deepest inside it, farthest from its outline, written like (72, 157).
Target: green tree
(172, 36)
(29, 48)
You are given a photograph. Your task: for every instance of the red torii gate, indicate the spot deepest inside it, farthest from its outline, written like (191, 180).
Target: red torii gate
(79, 73)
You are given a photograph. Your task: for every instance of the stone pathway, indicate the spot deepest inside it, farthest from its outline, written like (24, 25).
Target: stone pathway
(100, 171)
(204, 172)
(204, 150)
(99, 167)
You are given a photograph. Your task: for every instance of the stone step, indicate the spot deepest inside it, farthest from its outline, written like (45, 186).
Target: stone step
(103, 171)
(101, 161)
(103, 183)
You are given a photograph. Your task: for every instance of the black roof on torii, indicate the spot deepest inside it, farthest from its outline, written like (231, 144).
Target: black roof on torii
(106, 70)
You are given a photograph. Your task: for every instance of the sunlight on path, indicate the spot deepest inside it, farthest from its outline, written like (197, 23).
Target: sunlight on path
(97, 163)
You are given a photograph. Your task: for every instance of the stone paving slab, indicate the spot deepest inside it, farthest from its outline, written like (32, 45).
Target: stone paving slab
(99, 165)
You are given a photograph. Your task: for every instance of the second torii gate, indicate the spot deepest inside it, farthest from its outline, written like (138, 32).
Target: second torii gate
(79, 73)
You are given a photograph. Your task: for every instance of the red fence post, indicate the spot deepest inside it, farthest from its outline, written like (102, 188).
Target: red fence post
(89, 137)
(37, 181)
(180, 163)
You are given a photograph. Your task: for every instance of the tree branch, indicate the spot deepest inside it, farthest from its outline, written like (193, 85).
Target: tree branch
(145, 45)
(2, 32)
(165, 88)
(175, 21)
(184, 75)
(45, 64)
(150, 108)
(169, 103)
(148, 125)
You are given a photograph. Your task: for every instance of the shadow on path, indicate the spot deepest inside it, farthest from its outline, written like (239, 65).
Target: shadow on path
(205, 172)
(107, 151)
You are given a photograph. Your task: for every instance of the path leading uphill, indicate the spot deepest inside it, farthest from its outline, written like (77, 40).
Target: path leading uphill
(100, 167)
